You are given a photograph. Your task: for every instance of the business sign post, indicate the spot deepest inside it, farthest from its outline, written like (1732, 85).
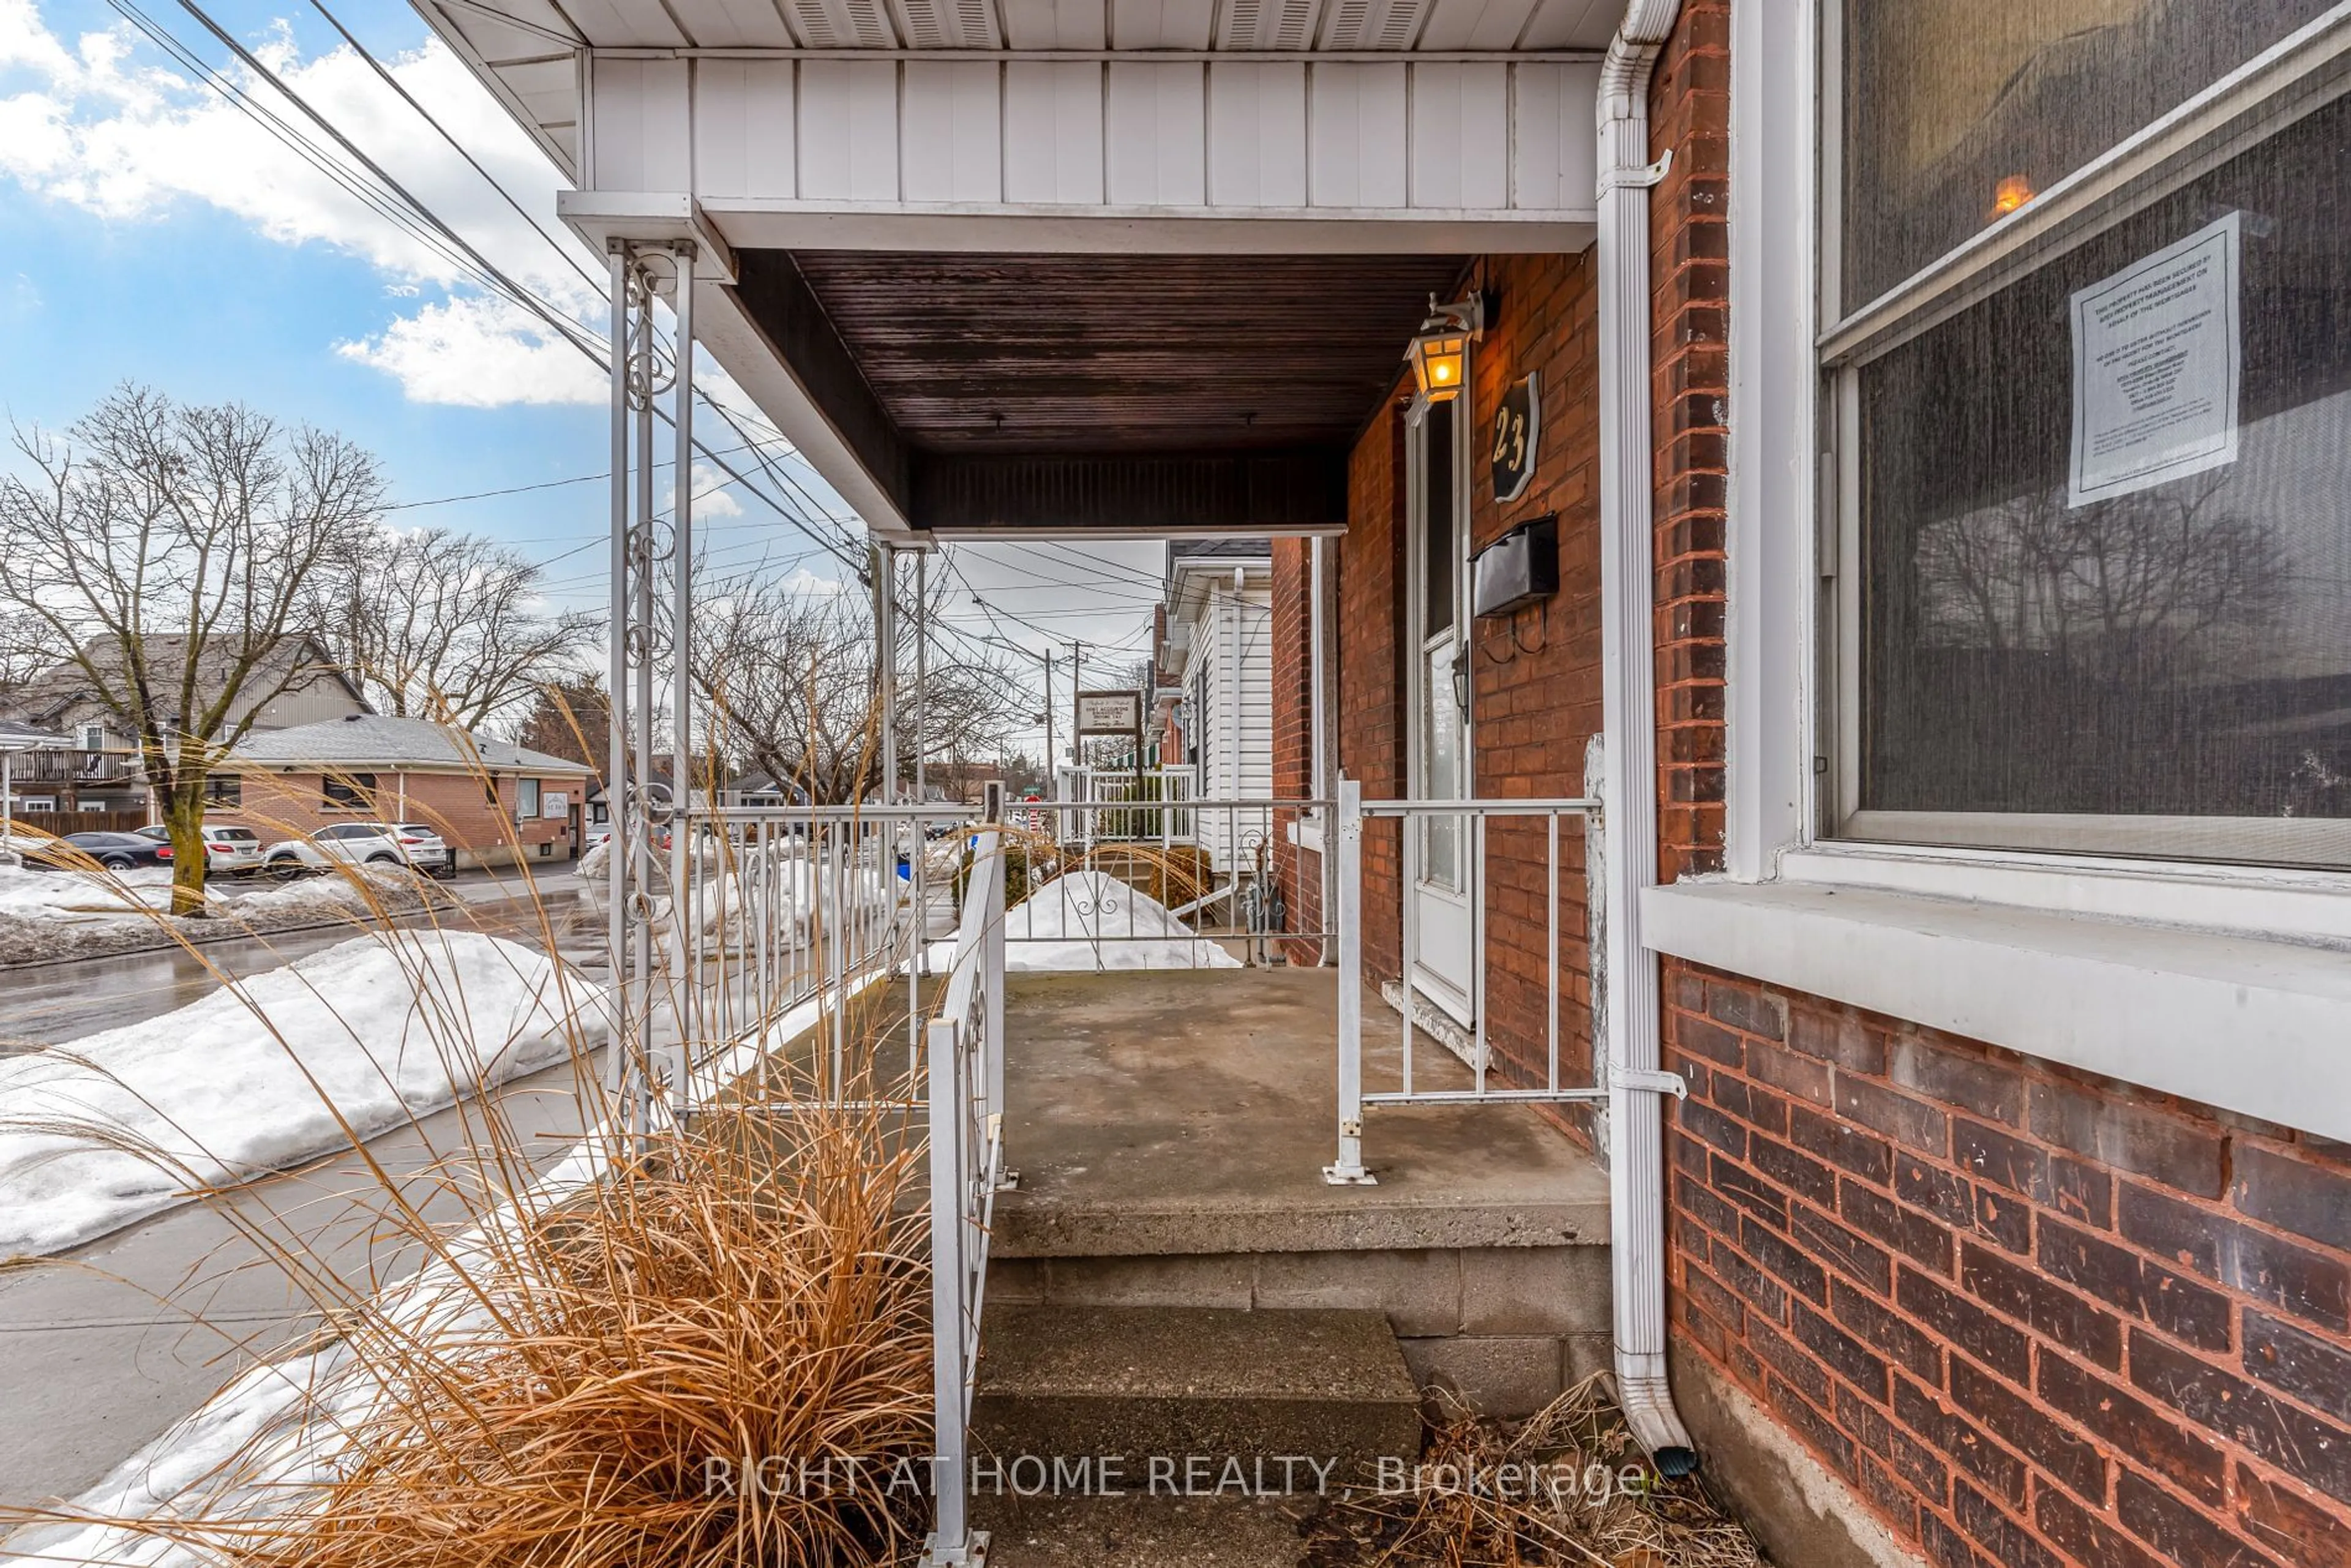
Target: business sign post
(1110, 713)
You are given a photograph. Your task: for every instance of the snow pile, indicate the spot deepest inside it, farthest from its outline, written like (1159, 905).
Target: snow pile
(778, 883)
(251, 1078)
(283, 1425)
(1090, 920)
(336, 895)
(79, 896)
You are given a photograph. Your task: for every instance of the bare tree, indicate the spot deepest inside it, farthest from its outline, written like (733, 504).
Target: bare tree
(2140, 582)
(791, 685)
(571, 719)
(449, 626)
(165, 551)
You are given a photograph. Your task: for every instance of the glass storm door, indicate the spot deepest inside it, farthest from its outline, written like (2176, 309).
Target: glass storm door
(1438, 873)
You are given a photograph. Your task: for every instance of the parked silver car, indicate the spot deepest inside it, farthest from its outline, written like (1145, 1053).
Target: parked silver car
(410, 844)
(229, 852)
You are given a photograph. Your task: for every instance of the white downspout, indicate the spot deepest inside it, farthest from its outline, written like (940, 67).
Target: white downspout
(1628, 684)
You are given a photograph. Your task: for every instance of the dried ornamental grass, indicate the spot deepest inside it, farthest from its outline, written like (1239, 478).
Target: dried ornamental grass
(757, 1292)
(587, 1371)
(1474, 1501)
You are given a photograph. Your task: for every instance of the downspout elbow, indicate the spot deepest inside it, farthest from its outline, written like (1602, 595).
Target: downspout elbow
(1637, 1145)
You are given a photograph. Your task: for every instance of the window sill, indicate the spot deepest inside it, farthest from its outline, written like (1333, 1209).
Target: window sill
(2238, 1021)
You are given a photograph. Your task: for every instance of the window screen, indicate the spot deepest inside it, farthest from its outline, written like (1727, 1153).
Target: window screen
(2136, 646)
(1956, 112)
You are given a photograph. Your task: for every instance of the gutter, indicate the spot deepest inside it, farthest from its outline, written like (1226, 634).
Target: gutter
(1628, 707)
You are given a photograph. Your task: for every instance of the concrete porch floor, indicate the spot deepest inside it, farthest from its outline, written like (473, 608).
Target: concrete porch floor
(1192, 1112)
(1170, 1130)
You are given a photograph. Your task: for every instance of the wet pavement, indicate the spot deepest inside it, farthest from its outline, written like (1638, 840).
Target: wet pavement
(102, 1349)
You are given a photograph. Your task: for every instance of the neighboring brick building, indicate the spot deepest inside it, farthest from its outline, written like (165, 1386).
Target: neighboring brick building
(496, 803)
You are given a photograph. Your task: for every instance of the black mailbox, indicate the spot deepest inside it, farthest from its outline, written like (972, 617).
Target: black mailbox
(1517, 569)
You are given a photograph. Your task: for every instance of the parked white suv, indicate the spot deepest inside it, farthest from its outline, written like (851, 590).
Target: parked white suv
(229, 852)
(410, 844)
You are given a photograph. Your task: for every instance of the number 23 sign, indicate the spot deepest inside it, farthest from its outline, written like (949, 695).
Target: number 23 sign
(1515, 429)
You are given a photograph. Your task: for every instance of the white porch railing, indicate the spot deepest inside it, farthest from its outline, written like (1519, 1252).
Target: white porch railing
(781, 905)
(1470, 821)
(966, 1074)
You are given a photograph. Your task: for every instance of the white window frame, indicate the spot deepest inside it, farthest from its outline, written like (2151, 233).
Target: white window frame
(2303, 72)
(2227, 983)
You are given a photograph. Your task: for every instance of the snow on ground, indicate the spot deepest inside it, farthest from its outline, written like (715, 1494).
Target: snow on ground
(1090, 920)
(243, 1081)
(80, 896)
(281, 1427)
(47, 916)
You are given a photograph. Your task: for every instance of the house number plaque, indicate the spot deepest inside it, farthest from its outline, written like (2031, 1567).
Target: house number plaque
(1516, 424)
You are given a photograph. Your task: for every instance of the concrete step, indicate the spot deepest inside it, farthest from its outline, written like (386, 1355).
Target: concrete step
(1198, 1401)
(1503, 1328)
(1141, 1531)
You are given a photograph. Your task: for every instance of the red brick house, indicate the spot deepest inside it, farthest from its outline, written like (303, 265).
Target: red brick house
(1938, 414)
(495, 802)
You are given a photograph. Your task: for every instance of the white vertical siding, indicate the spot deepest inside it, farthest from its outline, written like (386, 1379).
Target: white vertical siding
(1257, 135)
(1413, 137)
(1053, 131)
(1156, 124)
(744, 128)
(954, 150)
(642, 141)
(849, 130)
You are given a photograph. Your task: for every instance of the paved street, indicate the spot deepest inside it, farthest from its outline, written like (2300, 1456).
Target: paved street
(93, 1365)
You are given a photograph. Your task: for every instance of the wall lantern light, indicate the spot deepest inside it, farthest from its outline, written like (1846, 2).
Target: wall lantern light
(1439, 351)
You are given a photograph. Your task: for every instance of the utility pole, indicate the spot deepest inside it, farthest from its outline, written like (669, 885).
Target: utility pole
(1052, 778)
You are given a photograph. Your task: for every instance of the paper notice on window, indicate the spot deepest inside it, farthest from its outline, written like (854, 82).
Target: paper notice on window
(2156, 355)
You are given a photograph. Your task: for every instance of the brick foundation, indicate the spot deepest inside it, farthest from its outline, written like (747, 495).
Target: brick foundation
(2031, 1318)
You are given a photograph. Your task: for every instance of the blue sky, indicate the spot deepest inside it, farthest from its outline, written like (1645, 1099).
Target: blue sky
(157, 234)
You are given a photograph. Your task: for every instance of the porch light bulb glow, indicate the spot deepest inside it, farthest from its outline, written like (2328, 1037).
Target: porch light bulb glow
(1440, 362)
(2012, 192)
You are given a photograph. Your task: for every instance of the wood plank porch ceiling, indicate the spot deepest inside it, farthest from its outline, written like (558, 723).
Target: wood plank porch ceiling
(1125, 354)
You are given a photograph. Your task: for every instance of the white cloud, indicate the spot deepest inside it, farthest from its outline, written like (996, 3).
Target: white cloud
(93, 126)
(477, 353)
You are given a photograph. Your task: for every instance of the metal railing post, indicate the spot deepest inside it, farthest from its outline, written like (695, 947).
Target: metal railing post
(951, 1544)
(1348, 1169)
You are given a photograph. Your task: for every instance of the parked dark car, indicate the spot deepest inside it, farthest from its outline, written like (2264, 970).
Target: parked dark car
(115, 852)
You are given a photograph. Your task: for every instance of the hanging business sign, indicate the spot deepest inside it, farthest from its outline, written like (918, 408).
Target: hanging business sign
(1517, 425)
(1110, 713)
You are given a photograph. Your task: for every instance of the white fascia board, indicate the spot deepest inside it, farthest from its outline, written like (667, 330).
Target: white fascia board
(569, 164)
(647, 217)
(2263, 1028)
(778, 224)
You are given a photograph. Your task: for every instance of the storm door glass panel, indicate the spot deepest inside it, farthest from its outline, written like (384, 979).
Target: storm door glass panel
(2106, 527)
(1959, 111)
(1443, 763)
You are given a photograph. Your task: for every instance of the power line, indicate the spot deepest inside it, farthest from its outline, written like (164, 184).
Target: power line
(500, 282)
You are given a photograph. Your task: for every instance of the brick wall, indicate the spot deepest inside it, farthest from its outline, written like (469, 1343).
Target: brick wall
(1370, 636)
(1536, 678)
(1535, 681)
(1299, 869)
(2032, 1318)
(1689, 108)
(456, 805)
